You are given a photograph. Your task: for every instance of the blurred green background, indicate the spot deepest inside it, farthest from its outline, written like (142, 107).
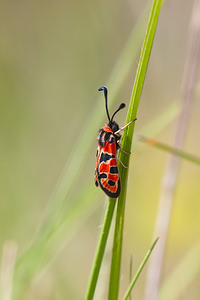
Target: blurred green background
(53, 57)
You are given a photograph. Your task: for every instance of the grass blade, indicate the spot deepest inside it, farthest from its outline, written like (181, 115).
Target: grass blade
(170, 149)
(141, 267)
(130, 274)
(126, 145)
(100, 249)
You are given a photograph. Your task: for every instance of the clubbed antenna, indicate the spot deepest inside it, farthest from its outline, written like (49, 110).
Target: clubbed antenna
(104, 89)
(122, 105)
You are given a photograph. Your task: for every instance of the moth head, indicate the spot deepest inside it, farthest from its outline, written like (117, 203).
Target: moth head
(114, 126)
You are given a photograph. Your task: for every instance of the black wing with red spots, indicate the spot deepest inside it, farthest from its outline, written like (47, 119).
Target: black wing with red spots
(106, 171)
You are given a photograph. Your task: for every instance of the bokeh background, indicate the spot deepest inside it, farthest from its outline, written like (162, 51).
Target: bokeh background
(53, 57)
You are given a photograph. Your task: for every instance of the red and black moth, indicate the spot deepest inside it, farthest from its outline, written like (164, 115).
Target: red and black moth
(106, 170)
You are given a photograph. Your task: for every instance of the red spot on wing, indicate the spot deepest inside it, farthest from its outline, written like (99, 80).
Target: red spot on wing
(104, 168)
(113, 162)
(113, 177)
(110, 148)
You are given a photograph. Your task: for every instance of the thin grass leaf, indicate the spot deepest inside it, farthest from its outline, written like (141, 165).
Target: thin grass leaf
(130, 274)
(170, 149)
(141, 267)
(100, 249)
(126, 145)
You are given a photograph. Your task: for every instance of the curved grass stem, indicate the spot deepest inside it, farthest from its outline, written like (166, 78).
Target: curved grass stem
(126, 145)
(141, 267)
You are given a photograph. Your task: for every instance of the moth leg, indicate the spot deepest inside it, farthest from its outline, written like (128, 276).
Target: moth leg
(122, 163)
(118, 142)
(122, 128)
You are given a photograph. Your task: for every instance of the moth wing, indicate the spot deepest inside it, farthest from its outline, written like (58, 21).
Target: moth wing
(107, 173)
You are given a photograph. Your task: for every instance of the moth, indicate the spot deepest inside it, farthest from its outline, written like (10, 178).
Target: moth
(106, 169)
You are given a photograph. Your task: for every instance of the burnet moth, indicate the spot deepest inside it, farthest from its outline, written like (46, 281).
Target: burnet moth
(106, 170)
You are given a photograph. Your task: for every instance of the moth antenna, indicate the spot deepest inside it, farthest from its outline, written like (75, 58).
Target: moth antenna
(104, 89)
(122, 105)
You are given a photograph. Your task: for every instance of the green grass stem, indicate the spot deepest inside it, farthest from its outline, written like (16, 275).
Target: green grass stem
(100, 249)
(130, 273)
(126, 145)
(141, 267)
(170, 149)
